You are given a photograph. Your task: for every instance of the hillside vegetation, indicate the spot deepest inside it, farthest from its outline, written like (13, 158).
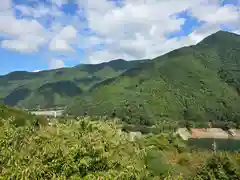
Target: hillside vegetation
(196, 84)
(56, 87)
(18, 117)
(87, 149)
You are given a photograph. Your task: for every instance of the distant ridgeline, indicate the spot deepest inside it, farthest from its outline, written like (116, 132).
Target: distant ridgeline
(57, 87)
(196, 84)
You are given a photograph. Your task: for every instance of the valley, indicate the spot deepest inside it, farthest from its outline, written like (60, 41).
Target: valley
(119, 89)
(120, 118)
(194, 84)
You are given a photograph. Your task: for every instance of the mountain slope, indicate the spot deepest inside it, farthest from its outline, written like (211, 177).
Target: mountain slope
(18, 117)
(27, 89)
(196, 83)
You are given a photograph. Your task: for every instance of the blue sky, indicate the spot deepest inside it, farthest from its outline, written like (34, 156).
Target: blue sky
(47, 34)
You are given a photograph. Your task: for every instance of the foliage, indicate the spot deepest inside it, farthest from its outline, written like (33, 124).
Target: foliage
(190, 87)
(56, 87)
(72, 150)
(187, 84)
(220, 166)
(18, 117)
(87, 149)
(195, 84)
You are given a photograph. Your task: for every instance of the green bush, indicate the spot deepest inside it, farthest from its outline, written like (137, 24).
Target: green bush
(87, 149)
(220, 166)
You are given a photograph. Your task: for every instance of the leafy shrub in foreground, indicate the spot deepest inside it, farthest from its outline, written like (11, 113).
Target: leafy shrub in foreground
(73, 150)
(220, 166)
(86, 149)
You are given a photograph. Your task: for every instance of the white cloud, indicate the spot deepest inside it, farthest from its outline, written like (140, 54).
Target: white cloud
(204, 31)
(24, 44)
(62, 41)
(23, 35)
(59, 45)
(68, 33)
(105, 56)
(5, 4)
(237, 32)
(11, 26)
(17, 46)
(56, 64)
(37, 70)
(213, 13)
(27, 35)
(59, 2)
(137, 49)
(139, 28)
(136, 30)
(139, 17)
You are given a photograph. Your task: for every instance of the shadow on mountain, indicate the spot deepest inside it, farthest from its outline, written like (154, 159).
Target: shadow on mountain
(63, 88)
(17, 95)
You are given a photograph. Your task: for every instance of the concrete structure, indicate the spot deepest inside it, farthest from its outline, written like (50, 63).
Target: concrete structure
(214, 139)
(208, 133)
(48, 113)
(215, 133)
(184, 133)
(235, 133)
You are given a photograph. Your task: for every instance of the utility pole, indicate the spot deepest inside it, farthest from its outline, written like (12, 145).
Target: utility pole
(214, 145)
(55, 114)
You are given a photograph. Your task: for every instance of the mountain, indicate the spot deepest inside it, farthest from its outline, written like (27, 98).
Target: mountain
(198, 83)
(57, 87)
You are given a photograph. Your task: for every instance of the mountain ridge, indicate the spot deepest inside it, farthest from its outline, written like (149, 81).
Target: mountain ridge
(82, 76)
(194, 83)
(184, 84)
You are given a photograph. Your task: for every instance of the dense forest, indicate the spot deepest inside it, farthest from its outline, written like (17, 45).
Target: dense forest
(56, 87)
(86, 148)
(195, 84)
(107, 103)
(192, 85)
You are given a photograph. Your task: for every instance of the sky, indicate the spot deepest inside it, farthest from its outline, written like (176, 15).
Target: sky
(48, 34)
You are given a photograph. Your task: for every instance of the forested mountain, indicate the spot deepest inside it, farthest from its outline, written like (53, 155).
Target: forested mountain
(198, 83)
(56, 87)
(193, 84)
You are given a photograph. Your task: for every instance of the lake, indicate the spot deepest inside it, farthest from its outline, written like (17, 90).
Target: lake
(230, 145)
